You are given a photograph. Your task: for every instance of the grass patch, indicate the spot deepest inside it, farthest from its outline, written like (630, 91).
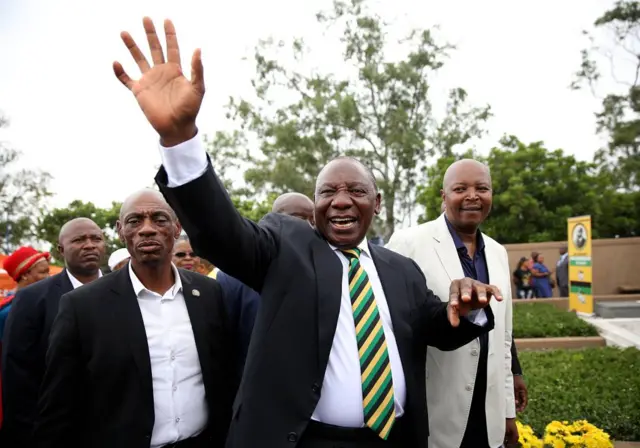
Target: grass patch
(601, 385)
(543, 320)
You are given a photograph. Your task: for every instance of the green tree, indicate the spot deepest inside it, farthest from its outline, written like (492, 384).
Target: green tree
(619, 118)
(380, 112)
(22, 196)
(535, 190)
(49, 225)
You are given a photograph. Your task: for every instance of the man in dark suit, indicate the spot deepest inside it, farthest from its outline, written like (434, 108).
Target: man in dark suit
(337, 356)
(142, 357)
(26, 337)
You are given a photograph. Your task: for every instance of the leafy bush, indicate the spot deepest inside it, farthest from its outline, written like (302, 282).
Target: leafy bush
(543, 320)
(600, 385)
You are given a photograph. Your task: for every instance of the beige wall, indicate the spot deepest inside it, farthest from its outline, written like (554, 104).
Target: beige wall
(616, 262)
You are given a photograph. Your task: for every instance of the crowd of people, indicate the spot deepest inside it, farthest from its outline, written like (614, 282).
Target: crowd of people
(211, 330)
(533, 279)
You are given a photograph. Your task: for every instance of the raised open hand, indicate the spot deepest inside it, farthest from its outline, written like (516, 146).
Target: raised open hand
(168, 99)
(466, 295)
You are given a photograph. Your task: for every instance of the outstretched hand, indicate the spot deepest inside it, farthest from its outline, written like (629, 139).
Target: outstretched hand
(466, 295)
(168, 99)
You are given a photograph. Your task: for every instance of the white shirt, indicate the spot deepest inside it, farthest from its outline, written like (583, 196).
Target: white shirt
(77, 283)
(562, 257)
(179, 400)
(341, 401)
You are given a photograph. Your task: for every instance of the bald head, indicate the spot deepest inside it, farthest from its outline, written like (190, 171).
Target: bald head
(294, 204)
(81, 244)
(467, 195)
(459, 169)
(146, 195)
(149, 227)
(72, 227)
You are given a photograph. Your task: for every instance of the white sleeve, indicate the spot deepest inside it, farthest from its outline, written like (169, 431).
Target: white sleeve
(478, 317)
(184, 162)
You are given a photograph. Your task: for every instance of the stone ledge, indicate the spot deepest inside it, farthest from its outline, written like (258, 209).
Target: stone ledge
(560, 343)
(626, 444)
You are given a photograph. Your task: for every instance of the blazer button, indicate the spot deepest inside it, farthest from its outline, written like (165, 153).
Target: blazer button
(474, 352)
(292, 437)
(468, 387)
(315, 388)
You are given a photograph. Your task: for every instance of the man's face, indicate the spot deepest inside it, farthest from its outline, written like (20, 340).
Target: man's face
(345, 203)
(82, 247)
(39, 271)
(468, 196)
(148, 228)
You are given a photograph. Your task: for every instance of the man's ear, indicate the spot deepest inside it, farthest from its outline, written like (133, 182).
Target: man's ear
(378, 204)
(178, 230)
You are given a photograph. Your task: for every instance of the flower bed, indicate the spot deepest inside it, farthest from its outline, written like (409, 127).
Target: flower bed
(567, 435)
(543, 320)
(600, 385)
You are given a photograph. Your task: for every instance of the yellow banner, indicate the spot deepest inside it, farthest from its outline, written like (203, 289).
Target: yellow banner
(580, 276)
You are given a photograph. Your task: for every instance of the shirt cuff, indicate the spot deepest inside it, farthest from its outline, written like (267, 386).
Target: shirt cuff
(184, 162)
(478, 317)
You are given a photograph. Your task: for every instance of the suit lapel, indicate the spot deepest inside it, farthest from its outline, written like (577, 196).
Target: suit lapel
(328, 270)
(128, 315)
(494, 265)
(395, 291)
(198, 317)
(446, 250)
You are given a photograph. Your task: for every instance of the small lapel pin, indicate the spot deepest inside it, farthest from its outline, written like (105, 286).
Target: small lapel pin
(195, 293)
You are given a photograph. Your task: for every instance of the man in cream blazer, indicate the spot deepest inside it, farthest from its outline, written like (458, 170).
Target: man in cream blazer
(438, 247)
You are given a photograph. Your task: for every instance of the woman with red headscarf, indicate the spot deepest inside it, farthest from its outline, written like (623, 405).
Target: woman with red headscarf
(25, 266)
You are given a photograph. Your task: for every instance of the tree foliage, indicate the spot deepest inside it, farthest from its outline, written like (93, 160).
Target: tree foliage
(50, 224)
(380, 111)
(22, 196)
(535, 190)
(619, 118)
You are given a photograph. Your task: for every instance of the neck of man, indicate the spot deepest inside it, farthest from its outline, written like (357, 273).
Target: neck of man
(156, 277)
(84, 277)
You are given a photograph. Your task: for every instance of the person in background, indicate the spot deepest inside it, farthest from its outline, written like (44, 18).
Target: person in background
(118, 259)
(467, 382)
(242, 302)
(542, 284)
(25, 266)
(141, 357)
(562, 272)
(183, 255)
(81, 245)
(523, 279)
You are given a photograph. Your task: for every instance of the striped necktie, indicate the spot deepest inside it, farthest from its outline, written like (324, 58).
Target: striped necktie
(375, 367)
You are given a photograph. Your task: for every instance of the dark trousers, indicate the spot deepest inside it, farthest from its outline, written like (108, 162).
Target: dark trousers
(320, 435)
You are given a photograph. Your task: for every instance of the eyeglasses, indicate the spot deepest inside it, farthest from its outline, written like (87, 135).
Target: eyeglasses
(184, 254)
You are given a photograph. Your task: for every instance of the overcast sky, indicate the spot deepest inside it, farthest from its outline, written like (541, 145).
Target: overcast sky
(71, 117)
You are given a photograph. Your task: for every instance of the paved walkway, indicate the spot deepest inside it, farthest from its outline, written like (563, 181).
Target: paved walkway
(621, 332)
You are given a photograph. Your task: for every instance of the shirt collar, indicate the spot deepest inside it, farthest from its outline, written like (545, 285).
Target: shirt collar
(363, 246)
(138, 287)
(458, 241)
(77, 283)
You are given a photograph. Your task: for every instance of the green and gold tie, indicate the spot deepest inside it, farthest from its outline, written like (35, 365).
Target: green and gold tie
(375, 367)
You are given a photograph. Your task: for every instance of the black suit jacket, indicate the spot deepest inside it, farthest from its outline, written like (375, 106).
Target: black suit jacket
(97, 389)
(26, 339)
(300, 280)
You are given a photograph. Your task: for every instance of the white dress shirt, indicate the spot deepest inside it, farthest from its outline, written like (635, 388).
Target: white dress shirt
(77, 283)
(341, 401)
(179, 400)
